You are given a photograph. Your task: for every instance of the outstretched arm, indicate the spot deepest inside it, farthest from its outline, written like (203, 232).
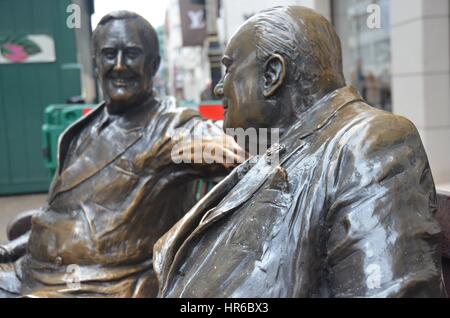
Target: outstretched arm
(15, 249)
(201, 146)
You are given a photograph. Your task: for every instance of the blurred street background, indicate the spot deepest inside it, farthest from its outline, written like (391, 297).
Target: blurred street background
(396, 53)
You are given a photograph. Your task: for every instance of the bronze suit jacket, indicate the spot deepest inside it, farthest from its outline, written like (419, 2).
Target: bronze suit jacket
(114, 195)
(347, 212)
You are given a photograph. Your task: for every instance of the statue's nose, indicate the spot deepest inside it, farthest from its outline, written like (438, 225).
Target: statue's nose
(119, 66)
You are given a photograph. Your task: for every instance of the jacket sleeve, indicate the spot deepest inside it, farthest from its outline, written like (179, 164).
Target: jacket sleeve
(200, 145)
(382, 235)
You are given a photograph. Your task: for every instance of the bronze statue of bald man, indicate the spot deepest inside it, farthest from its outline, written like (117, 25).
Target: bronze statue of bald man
(117, 188)
(346, 210)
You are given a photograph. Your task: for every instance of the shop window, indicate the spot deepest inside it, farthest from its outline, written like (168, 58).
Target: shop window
(366, 47)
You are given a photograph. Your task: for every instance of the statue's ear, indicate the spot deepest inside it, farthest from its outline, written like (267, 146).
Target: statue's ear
(156, 64)
(274, 74)
(94, 64)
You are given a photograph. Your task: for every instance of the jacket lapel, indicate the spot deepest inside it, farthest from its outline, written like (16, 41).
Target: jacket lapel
(242, 192)
(64, 141)
(247, 179)
(94, 159)
(167, 246)
(67, 136)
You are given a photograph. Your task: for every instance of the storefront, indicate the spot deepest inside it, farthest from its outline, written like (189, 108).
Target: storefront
(366, 47)
(401, 63)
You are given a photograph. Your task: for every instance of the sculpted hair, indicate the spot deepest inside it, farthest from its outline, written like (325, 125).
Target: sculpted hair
(307, 41)
(151, 38)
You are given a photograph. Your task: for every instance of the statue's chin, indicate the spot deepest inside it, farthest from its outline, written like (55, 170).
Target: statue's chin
(118, 102)
(118, 106)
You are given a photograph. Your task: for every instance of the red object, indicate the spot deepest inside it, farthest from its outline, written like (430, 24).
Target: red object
(86, 111)
(211, 111)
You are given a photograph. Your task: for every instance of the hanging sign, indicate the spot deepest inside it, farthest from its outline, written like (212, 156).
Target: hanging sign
(36, 48)
(193, 23)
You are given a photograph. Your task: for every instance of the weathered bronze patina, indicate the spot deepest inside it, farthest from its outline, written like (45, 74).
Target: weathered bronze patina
(117, 189)
(348, 211)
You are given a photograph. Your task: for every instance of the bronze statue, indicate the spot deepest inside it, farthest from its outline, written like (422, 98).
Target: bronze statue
(347, 211)
(117, 189)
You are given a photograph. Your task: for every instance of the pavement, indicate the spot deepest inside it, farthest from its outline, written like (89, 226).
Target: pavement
(12, 205)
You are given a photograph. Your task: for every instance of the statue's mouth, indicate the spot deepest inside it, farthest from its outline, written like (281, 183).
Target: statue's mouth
(120, 82)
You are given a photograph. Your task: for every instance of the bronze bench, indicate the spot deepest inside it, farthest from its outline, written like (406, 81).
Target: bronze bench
(22, 223)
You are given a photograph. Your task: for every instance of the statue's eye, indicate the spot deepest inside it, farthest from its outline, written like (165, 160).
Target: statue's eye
(226, 61)
(133, 53)
(109, 53)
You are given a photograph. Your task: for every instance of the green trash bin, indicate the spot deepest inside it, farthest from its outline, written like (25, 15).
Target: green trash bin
(56, 119)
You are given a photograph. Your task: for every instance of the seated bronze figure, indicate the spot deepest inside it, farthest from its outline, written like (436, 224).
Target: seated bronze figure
(346, 211)
(117, 189)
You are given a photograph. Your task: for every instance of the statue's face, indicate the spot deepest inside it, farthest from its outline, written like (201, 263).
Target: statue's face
(241, 88)
(121, 65)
